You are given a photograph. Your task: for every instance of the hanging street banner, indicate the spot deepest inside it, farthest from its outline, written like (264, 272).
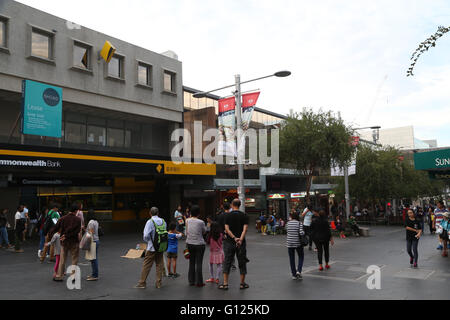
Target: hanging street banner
(41, 109)
(339, 172)
(248, 106)
(227, 126)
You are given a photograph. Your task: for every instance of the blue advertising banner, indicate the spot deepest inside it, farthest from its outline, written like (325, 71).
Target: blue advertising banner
(42, 109)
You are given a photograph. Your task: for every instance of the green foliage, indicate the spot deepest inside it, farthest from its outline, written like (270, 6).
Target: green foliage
(310, 140)
(424, 46)
(381, 175)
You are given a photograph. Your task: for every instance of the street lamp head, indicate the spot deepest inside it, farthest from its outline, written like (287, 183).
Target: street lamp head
(376, 127)
(199, 95)
(282, 74)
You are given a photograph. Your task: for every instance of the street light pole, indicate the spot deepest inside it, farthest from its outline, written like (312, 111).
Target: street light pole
(241, 153)
(347, 193)
(240, 162)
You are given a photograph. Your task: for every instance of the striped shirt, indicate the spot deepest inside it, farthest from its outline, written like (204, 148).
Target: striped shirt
(294, 229)
(439, 215)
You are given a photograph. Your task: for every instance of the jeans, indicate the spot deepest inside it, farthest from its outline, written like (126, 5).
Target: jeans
(323, 247)
(41, 240)
(300, 253)
(94, 263)
(4, 236)
(195, 274)
(411, 247)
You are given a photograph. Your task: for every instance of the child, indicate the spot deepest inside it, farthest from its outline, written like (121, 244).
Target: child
(55, 235)
(172, 249)
(216, 255)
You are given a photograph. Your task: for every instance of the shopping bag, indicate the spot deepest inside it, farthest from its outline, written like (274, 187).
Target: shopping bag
(86, 241)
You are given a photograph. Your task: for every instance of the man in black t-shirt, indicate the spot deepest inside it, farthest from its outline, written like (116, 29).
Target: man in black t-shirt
(236, 226)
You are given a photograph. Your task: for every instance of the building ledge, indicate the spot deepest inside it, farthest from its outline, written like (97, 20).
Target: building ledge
(143, 86)
(169, 93)
(5, 50)
(78, 69)
(44, 60)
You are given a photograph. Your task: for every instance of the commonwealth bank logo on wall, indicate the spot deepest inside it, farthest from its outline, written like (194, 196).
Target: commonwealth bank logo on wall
(41, 109)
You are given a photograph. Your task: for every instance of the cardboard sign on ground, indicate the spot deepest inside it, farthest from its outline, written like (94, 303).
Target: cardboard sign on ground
(136, 253)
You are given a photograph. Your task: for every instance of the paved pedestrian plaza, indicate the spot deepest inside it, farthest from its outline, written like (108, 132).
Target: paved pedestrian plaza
(23, 277)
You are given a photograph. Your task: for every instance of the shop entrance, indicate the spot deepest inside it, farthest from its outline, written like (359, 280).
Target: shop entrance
(278, 205)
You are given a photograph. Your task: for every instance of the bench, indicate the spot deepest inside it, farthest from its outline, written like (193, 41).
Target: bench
(364, 231)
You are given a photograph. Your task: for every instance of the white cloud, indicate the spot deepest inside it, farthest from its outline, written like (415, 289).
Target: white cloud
(338, 51)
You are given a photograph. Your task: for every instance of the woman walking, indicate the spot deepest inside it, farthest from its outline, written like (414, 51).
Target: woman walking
(92, 228)
(195, 229)
(413, 234)
(321, 235)
(3, 230)
(294, 229)
(445, 225)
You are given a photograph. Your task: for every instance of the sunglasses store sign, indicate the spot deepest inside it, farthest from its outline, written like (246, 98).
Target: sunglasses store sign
(42, 109)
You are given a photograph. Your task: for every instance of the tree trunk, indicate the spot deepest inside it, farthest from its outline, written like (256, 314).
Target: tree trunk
(308, 186)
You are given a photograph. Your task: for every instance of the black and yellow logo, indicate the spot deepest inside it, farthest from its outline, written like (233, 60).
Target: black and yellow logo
(107, 51)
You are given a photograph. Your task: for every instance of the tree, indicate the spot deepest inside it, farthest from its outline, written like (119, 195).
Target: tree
(310, 141)
(381, 175)
(424, 46)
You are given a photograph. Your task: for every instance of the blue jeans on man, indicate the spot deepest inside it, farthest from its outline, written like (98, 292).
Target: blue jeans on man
(4, 236)
(41, 239)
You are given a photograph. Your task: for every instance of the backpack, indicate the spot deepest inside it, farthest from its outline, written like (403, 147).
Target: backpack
(161, 239)
(48, 222)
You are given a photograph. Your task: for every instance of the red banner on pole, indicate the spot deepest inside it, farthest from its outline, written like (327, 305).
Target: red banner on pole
(227, 104)
(250, 99)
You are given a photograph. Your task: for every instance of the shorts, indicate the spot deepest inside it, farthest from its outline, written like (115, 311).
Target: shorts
(172, 255)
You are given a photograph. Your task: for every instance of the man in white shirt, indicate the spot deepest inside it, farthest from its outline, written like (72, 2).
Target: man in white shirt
(151, 255)
(19, 227)
(307, 220)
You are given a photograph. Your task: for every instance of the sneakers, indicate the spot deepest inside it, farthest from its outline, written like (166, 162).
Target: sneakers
(320, 268)
(210, 280)
(170, 275)
(299, 276)
(140, 286)
(39, 253)
(415, 265)
(294, 277)
(327, 266)
(440, 247)
(217, 281)
(411, 260)
(175, 275)
(89, 278)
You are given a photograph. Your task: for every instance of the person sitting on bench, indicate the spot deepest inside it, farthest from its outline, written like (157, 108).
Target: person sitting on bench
(353, 225)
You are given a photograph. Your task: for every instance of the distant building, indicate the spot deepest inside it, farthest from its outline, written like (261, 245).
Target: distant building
(401, 137)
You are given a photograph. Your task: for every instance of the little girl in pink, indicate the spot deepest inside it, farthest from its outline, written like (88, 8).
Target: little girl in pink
(216, 255)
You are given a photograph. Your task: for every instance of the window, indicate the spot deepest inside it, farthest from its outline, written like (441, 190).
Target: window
(115, 67)
(144, 74)
(3, 33)
(169, 81)
(115, 137)
(41, 44)
(81, 56)
(96, 135)
(75, 132)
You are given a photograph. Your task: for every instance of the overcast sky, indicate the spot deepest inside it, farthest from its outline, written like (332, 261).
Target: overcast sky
(349, 56)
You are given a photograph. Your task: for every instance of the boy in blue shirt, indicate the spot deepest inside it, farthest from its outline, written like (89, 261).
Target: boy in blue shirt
(172, 249)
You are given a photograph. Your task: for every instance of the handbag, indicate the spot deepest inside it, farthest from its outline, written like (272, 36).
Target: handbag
(186, 253)
(86, 241)
(304, 240)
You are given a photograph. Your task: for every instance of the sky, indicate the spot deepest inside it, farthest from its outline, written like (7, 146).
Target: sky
(348, 56)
